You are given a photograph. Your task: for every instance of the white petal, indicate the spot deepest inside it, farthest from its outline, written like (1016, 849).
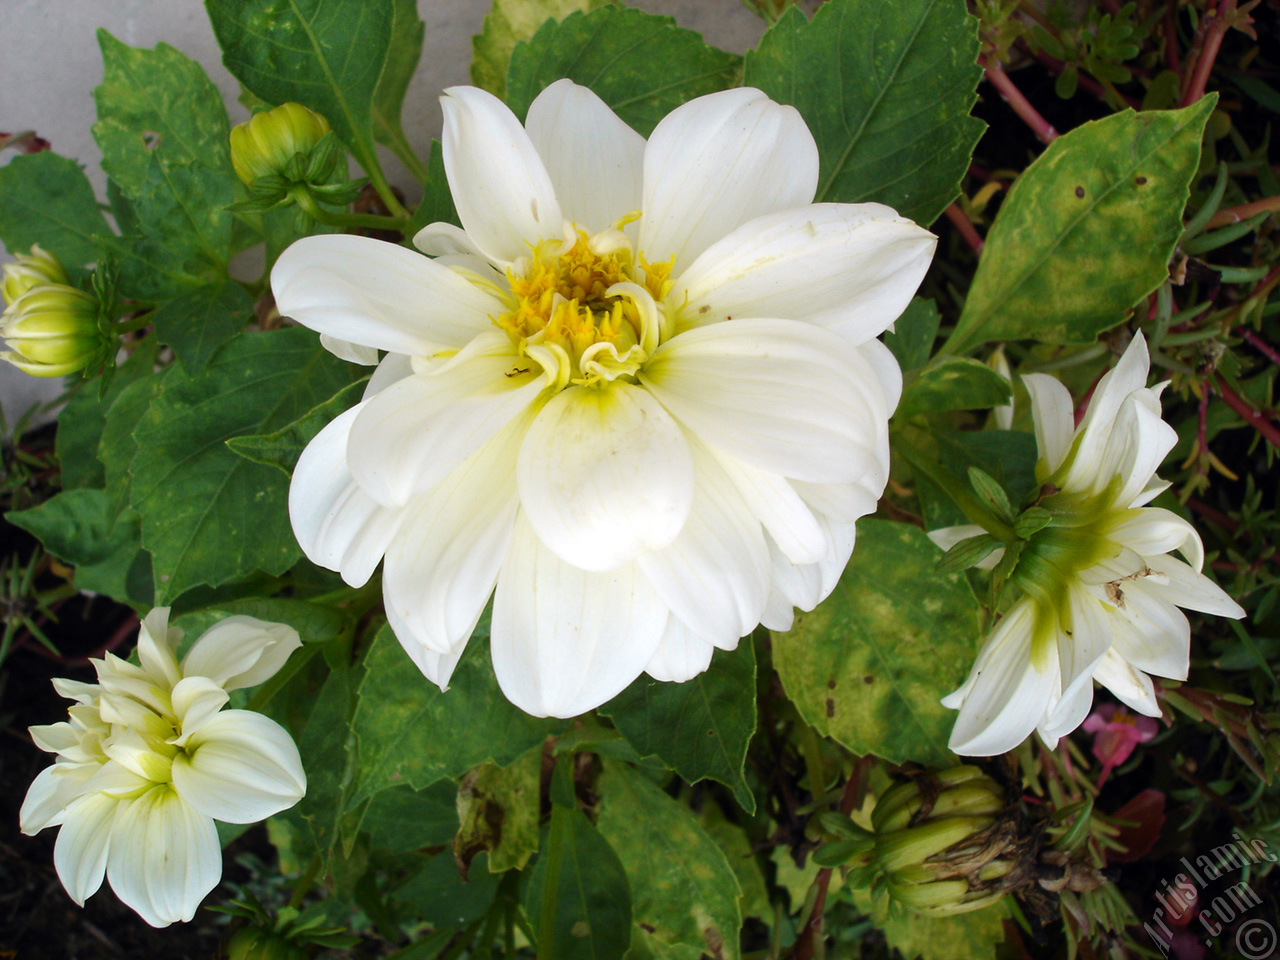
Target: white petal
(444, 240)
(565, 640)
(799, 583)
(337, 524)
(164, 857)
(681, 655)
(80, 853)
(240, 767)
(779, 613)
(595, 160)
(410, 436)
(393, 368)
(350, 352)
(1154, 530)
(1069, 711)
(885, 366)
(504, 196)
(841, 502)
(1192, 590)
(604, 474)
(772, 500)
(196, 700)
(1117, 384)
(442, 567)
(1132, 687)
(1053, 415)
(155, 648)
(241, 651)
(855, 265)
(717, 162)
(436, 667)
(1079, 651)
(377, 294)
(784, 396)
(715, 575)
(53, 789)
(1005, 697)
(77, 690)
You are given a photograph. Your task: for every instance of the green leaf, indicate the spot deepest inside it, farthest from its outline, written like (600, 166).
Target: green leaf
(1087, 230)
(641, 65)
(869, 665)
(436, 205)
(325, 54)
(404, 819)
(116, 447)
(991, 493)
(82, 528)
(408, 731)
(498, 812)
(684, 894)
(185, 232)
(968, 553)
(210, 516)
(737, 847)
(593, 902)
(886, 90)
(47, 199)
(157, 101)
(954, 383)
(969, 936)
(196, 324)
(699, 728)
(911, 339)
(1031, 520)
(403, 53)
(1009, 456)
(507, 23)
(282, 447)
(81, 421)
(438, 895)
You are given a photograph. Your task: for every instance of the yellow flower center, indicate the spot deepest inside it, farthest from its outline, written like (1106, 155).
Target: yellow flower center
(588, 304)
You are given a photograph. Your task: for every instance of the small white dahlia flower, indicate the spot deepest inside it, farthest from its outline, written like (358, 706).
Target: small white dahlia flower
(149, 759)
(1100, 591)
(639, 391)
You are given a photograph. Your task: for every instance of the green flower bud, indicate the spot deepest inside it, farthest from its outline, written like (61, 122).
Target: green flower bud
(252, 943)
(948, 843)
(30, 270)
(264, 145)
(52, 330)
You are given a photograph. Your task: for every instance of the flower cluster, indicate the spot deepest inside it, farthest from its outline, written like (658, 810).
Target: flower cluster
(148, 759)
(639, 391)
(1100, 591)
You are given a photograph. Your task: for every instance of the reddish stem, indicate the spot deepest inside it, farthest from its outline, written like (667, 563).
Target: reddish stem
(1243, 212)
(1264, 348)
(1041, 127)
(1250, 416)
(1171, 59)
(849, 801)
(1213, 514)
(964, 226)
(1212, 29)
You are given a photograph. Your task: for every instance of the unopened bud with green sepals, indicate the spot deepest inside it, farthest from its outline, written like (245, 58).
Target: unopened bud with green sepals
(30, 270)
(52, 329)
(266, 144)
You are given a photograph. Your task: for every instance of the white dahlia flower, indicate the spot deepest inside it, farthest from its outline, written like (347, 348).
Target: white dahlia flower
(149, 759)
(1100, 592)
(639, 391)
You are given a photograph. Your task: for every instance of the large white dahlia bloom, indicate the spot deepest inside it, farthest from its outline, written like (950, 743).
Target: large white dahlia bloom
(639, 391)
(1100, 591)
(148, 759)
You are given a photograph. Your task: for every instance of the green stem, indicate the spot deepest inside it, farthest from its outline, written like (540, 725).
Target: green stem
(305, 882)
(551, 885)
(379, 182)
(137, 323)
(370, 221)
(966, 501)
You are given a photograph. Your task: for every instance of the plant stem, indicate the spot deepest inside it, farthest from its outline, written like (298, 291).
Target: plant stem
(1041, 127)
(964, 226)
(1243, 212)
(305, 882)
(550, 885)
(368, 221)
(1264, 348)
(1259, 422)
(1209, 40)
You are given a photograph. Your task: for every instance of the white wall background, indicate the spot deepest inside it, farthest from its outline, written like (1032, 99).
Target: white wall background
(51, 65)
